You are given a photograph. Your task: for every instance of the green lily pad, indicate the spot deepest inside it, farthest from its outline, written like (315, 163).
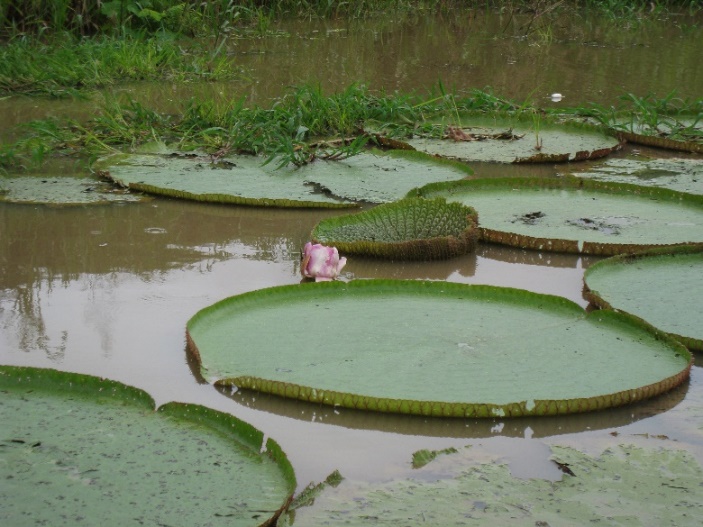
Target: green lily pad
(516, 140)
(432, 348)
(682, 133)
(243, 180)
(409, 229)
(60, 190)
(683, 175)
(624, 485)
(78, 449)
(577, 215)
(662, 287)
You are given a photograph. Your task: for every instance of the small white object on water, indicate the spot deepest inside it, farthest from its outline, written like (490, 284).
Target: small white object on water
(556, 97)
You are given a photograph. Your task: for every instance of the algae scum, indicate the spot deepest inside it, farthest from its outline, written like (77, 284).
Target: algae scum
(435, 381)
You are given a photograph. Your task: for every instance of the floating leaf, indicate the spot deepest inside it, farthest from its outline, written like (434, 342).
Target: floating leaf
(243, 180)
(515, 139)
(409, 229)
(422, 457)
(684, 175)
(576, 215)
(432, 348)
(77, 449)
(663, 287)
(60, 190)
(624, 485)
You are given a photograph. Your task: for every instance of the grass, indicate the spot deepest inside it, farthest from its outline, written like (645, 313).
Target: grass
(669, 116)
(305, 124)
(298, 127)
(197, 18)
(67, 65)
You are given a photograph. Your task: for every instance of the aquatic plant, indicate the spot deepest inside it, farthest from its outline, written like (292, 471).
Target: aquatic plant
(684, 174)
(662, 286)
(320, 262)
(373, 177)
(620, 484)
(99, 450)
(408, 229)
(507, 138)
(668, 122)
(576, 215)
(432, 348)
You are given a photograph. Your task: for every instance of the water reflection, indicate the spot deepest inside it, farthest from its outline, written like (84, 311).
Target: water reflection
(527, 427)
(584, 58)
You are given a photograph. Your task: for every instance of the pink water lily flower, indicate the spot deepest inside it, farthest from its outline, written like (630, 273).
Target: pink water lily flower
(321, 263)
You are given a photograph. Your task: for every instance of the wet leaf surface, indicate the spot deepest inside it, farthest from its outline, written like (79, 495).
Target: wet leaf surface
(624, 485)
(78, 450)
(406, 347)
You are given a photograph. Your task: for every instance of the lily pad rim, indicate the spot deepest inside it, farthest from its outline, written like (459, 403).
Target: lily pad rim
(595, 298)
(568, 182)
(443, 408)
(50, 381)
(397, 248)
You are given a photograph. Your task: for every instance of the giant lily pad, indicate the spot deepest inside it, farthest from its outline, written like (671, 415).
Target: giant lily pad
(78, 449)
(624, 485)
(683, 133)
(60, 190)
(684, 175)
(243, 180)
(516, 140)
(662, 287)
(432, 348)
(576, 215)
(409, 229)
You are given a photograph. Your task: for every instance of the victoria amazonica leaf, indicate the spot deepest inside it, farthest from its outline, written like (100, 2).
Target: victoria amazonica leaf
(408, 229)
(663, 287)
(432, 348)
(81, 450)
(506, 139)
(576, 215)
(60, 190)
(623, 485)
(245, 180)
(684, 175)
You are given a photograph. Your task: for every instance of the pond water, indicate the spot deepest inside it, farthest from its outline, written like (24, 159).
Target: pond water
(107, 290)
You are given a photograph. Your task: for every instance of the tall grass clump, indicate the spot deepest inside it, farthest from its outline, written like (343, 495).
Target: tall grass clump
(67, 64)
(296, 128)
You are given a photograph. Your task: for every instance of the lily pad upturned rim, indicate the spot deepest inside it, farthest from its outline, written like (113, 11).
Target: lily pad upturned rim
(291, 184)
(570, 183)
(526, 118)
(530, 407)
(439, 246)
(598, 301)
(656, 141)
(51, 381)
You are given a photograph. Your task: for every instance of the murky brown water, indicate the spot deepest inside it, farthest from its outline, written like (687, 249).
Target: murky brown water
(107, 290)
